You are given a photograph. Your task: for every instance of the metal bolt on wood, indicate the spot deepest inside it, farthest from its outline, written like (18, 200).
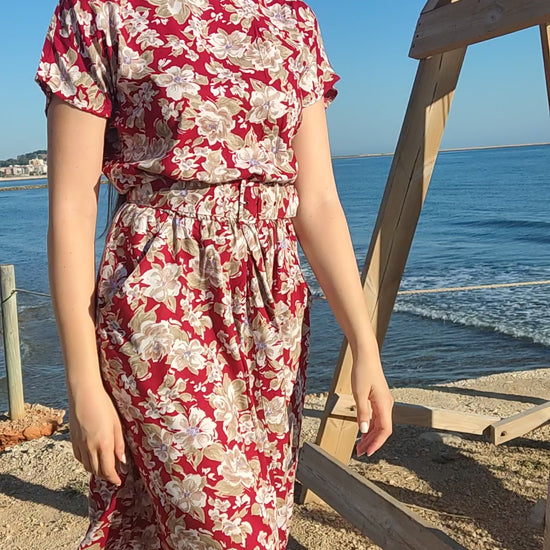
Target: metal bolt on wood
(11, 342)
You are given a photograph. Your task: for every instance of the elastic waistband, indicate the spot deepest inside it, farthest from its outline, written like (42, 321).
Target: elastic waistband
(235, 201)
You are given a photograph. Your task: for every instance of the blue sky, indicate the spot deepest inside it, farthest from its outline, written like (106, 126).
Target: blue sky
(501, 97)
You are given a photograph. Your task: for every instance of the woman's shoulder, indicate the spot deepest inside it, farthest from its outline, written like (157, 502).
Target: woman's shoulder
(306, 18)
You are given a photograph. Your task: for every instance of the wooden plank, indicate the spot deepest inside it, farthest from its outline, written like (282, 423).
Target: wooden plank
(408, 181)
(547, 521)
(12, 352)
(420, 415)
(379, 516)
(433, 4)
(460, 24)
(545, 40)
(520, 424)
(407, 184)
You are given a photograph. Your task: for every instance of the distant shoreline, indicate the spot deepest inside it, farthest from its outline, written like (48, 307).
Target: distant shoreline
(364, 155)
(31, 178)
(478, 148)
(23, 178)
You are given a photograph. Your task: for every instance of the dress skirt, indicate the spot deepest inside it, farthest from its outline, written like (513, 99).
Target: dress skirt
(202, 323)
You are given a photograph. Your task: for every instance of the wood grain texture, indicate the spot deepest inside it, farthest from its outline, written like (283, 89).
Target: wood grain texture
(520, 424)
(379, 516)
(459, 24)
(427, 417)
(406, 188)
(10, 331)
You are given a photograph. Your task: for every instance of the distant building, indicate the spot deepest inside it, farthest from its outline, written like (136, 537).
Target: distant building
(35, 167)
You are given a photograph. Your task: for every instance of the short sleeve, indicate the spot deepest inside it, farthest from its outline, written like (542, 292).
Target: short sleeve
(317, 77)
(76, 63)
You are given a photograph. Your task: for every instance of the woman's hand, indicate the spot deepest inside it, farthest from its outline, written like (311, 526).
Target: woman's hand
(323, 233)
(96, 434)
(374, 403)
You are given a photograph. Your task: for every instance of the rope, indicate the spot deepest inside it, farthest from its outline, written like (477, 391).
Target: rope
(472, 287)
(419, 291)
(16, 290)
(33, 292)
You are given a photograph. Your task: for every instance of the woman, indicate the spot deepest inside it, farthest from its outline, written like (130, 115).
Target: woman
(185, 360)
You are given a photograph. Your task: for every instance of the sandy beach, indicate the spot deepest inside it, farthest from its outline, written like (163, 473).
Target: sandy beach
(484, 496)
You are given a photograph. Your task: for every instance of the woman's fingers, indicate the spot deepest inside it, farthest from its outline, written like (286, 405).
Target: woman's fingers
(97, 435)
(380, 426)
(107, 469)
(364, 412)
(120, 444)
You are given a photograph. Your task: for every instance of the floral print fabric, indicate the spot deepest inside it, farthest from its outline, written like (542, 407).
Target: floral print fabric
(202, 310)
(203, 335)
(209, 90)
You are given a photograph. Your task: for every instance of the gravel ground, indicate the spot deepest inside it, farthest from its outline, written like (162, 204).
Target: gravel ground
(484, 496)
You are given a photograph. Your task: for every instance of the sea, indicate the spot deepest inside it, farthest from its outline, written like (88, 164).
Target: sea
(485, 221)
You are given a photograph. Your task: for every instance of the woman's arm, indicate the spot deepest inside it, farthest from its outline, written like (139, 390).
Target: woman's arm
(75, 150)
(323, 233)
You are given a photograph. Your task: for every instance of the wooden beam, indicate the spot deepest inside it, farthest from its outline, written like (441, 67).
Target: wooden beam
(379, 516)
(431, 5)
(407, 184)
(460, 24)
(545, 40)
(520, 424)
(408, 181)
(427, 417)
(434, 4)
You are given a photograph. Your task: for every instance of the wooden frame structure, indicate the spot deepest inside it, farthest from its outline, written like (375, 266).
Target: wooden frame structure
(445, 28)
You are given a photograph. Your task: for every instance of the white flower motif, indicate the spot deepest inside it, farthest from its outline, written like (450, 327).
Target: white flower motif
(282, 16)
(131, 64)
(161, 442)
(188, 355)
(161, 282)
(187, 494)
(61, 76)
(253, 158)
(193, 432)
(266, 104)
(178, 81)
(186, 161)
(235, 468)
(153, 340)
(228, 45)
(265, 55)
(214, 122)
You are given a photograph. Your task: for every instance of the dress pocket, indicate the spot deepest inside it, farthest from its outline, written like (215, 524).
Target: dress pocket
(135, 244)
(146, 256)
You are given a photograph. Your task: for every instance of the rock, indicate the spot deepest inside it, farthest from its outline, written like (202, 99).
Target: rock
(38, 421)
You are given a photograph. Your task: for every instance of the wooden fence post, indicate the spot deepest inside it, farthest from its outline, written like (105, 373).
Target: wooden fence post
(11, 342)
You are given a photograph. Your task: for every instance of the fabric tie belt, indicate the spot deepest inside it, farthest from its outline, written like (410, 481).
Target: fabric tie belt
(244, 200)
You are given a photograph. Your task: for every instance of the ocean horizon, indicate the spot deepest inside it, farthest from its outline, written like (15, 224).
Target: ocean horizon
(484, 222)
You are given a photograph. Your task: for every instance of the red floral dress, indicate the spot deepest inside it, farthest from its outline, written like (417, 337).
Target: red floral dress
(202, 311)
